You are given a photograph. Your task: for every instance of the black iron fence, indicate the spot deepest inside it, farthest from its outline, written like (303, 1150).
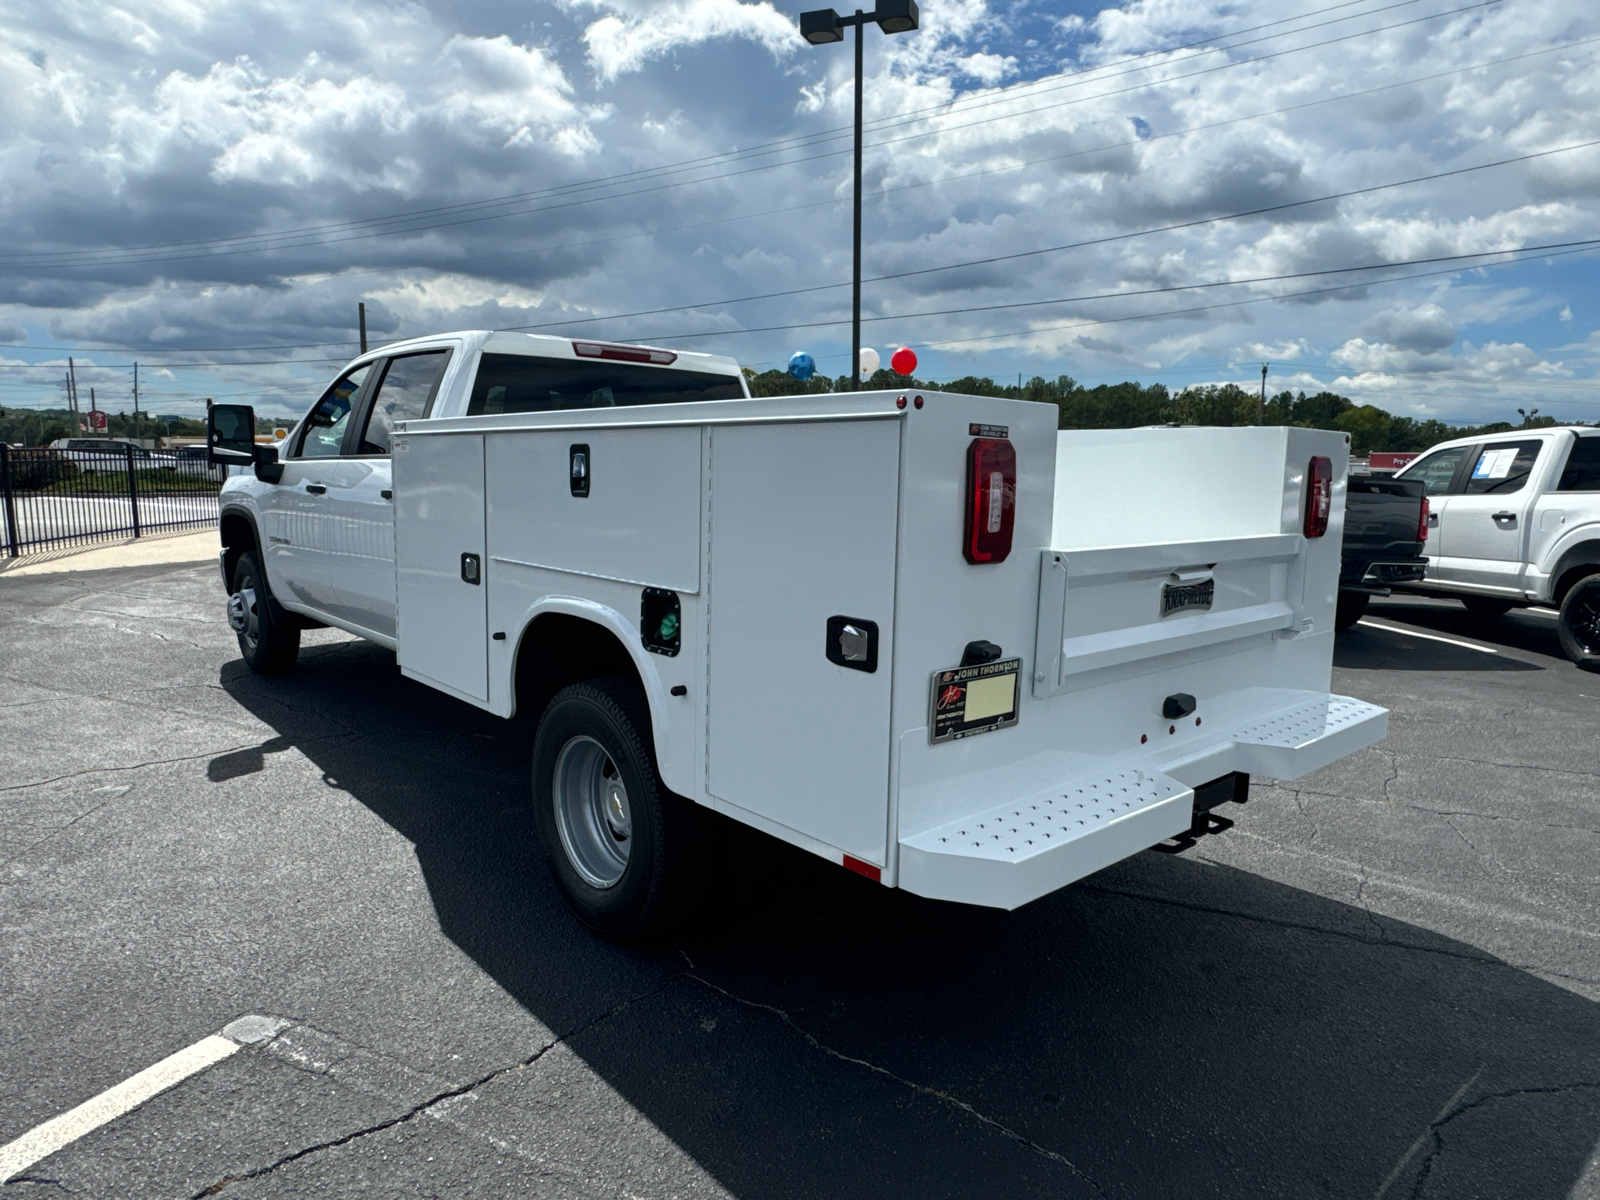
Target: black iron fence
(53, 498)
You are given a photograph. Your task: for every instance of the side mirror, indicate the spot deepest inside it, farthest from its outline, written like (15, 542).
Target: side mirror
(230, 435)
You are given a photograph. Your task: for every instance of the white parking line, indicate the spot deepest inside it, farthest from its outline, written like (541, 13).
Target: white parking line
(1432, 637)
(44, 1140)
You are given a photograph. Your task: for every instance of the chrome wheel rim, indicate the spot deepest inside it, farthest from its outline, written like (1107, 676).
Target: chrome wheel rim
(243, 616)
(593, 816)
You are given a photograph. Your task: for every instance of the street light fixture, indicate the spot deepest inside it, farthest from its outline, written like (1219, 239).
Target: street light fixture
(819, 28)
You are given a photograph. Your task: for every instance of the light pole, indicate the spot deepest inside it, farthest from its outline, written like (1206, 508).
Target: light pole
(1527, 416)
(819, 28)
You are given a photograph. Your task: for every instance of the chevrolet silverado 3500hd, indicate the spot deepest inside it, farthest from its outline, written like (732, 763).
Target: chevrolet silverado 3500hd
(922, 635)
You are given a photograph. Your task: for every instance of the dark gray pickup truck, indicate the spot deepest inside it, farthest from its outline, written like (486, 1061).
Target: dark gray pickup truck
(1385, 530)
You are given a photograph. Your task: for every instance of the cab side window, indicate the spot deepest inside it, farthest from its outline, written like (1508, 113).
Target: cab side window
(1436, 470)
(323, 433)
(406, 394)
(1501, 467)
(1582, 472)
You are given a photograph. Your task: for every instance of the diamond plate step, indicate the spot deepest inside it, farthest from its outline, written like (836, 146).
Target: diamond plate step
(1009, 854)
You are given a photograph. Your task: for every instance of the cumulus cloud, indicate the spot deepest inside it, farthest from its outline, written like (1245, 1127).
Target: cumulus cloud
(189, 176)
(634, 32)
(1425, 329)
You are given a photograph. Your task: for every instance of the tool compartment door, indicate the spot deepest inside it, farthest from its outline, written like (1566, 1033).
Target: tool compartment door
(803, 529)
(441, 615)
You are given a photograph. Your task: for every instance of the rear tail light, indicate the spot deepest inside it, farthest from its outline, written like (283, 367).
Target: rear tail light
(1319, 496)
(991, 499)
(1422, 522)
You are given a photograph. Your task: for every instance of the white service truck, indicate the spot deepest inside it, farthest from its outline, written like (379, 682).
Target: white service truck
(922, 635)
(1514, 521)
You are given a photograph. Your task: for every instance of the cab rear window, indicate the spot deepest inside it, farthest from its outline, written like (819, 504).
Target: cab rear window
(1582, 472)
(514, 383)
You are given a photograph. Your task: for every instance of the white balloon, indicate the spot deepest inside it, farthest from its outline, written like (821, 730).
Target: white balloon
(869, 360)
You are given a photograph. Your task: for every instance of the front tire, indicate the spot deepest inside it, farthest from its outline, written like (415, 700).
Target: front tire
(617, 841)
(269, 640)
(1352, 607)
(1482, 606)
(1579, 624)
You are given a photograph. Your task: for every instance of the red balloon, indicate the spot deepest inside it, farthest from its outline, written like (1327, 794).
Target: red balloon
(904, 361)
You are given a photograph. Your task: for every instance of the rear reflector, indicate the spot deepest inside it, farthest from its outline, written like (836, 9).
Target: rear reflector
(1319, 496)
(863, 868)
(1422, 522)
(991, 499)
(641, 354)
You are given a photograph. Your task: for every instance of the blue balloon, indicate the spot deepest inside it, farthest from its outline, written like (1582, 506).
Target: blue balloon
(802, 366)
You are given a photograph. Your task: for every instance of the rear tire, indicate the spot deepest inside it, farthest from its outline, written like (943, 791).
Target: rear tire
(269, 639)
(1579, 624)
(619, 844)
(1482, 606)
(1352, 607)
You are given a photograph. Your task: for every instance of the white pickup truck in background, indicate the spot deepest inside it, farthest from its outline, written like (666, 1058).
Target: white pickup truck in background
(1514, 520)
(922, 635)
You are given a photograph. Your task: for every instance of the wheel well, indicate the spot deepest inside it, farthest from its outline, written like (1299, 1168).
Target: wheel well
(238, 537)
(558, 650)
(1570, 576)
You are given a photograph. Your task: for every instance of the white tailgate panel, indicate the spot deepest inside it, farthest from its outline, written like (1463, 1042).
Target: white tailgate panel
(803, 524)
(640, 522)
(442, 621)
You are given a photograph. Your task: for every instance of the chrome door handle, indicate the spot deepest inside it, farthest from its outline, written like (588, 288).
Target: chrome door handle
(316, 489)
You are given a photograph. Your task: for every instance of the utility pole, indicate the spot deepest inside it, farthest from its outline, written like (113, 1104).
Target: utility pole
(72, 393)
(136, 401)
(361, 313)
(1261, 409)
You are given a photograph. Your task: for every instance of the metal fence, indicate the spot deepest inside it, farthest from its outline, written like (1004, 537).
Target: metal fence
(53, 498)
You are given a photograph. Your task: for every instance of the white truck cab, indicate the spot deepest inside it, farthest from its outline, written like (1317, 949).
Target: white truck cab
(923, 635)
(1515, 521)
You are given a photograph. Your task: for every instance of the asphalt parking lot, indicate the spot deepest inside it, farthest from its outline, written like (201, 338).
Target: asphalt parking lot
(1382, 982)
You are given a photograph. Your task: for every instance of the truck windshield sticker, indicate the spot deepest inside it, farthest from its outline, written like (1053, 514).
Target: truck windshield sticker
(969, 700)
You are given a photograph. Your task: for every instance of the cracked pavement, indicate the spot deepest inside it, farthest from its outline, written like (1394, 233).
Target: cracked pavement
(1383, 981)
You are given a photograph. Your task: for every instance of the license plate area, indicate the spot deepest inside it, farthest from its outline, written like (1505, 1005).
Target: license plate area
(964, 701)
(1187, 597)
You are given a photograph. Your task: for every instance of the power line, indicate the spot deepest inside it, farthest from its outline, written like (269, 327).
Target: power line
(794, 141)
(1100, 241)
(801, 207)
(110, 257)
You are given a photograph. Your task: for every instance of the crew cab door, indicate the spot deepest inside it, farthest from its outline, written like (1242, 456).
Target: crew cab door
(1485, 525)
(359, 502)
(1437, 471)
(294, 510)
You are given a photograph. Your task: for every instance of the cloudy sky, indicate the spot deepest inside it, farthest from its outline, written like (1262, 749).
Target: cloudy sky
(1167, 190)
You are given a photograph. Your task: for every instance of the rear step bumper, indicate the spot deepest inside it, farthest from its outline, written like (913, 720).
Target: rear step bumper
(1008, 854)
